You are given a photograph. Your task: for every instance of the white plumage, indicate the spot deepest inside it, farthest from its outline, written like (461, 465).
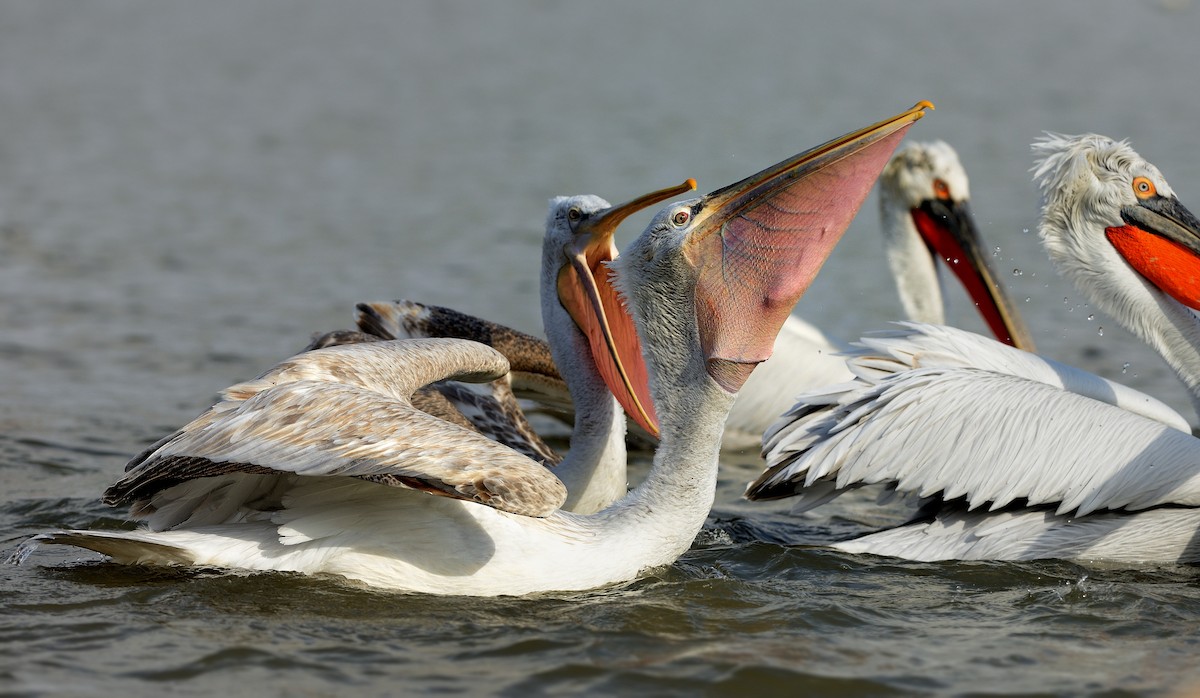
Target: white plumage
(1022, 457)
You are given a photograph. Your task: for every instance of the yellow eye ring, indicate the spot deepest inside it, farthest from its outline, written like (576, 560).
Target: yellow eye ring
(1143, 188)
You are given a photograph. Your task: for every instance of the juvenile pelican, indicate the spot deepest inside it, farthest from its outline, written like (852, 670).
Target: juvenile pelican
(1021, 458)
(322, 466)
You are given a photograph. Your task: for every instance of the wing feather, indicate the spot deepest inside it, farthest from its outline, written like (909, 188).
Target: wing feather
(949, 428)
(533, 376)
(917, 345)
(345, 411)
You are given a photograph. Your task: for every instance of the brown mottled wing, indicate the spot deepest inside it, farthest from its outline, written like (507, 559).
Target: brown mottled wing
(402, 318)
(430, 400)
(427, 399)
(533, 375)
(340, 337)
(345, 411)
(492, 409)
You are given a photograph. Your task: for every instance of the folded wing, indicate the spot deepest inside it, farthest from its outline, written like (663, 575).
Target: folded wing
(339, 411)
(931, 419)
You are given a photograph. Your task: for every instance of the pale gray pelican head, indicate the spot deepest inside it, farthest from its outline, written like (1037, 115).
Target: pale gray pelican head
(579, 243)
(925, 207)
(1113, 225)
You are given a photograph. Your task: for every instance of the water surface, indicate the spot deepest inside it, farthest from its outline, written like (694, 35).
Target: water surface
(187, 190)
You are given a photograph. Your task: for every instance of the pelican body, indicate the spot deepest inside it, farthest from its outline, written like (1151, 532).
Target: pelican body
(1018, 457)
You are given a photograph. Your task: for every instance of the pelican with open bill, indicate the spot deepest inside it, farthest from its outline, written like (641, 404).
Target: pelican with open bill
(731, 222)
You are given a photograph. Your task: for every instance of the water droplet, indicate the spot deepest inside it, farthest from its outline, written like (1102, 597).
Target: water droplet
(1100, 331)
(1125, 367)
(996, 252)
(955, 261)
(1026, 299)
(1065, 301)
(1091, 317)
(1025, 230)
(1017, 272)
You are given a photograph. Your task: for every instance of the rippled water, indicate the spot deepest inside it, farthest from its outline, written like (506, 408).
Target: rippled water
(187, 190)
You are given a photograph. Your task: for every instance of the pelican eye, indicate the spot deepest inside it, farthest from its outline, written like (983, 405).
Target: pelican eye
(681, 217)
(941, 190)
(1143, 188)
(574, 215)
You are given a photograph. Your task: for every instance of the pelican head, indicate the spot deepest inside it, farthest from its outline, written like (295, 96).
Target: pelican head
(925, 207)
(1111, 221)
(577, 246)
(919, 172)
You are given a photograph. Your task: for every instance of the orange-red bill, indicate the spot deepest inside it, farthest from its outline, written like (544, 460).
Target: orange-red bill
(758, 244)
(1168, 265)
(1161, 240)
(586, 290)
(949, 230)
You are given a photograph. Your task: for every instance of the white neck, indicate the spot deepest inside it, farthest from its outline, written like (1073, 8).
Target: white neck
(594, 467)
(913, 267)
(670, 507)
(1172, 329)
(681, 485)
